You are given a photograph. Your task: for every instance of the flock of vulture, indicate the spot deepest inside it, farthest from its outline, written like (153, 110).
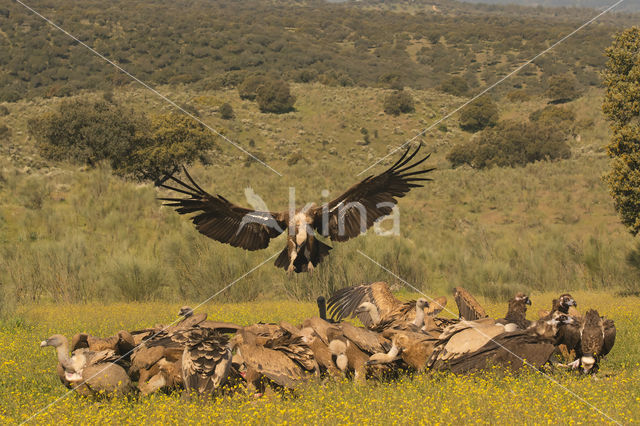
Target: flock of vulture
(205, 357)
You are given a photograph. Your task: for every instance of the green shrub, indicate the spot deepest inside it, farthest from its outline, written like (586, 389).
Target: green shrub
(398, 102)
(248, 89)
(275, 96)
(87, 132)
(512, 143)
(226, 111)
(456, 86)
(621, 106)
(479, 114)
(563, 89)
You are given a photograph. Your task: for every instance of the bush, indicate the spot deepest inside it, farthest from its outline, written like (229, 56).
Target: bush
(275, 96)
(479, 114)
(456, 86)
(87, 132)
(512, 143)
(4, 111)
(174, 139)
(5, 132)
(563, 89)
(248, 89)
(398, 102)
(621, 107)
(226, 111)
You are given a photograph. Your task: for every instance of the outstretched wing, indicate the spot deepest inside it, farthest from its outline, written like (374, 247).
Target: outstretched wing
(222, 220)
(344, 302)
(468, 306)
(360, 206)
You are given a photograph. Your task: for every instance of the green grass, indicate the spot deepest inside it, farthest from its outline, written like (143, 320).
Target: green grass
(28, 382)
(74, 234)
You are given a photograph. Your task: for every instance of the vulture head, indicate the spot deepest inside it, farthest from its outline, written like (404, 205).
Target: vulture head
(370, 309)
(56, 341)
(185, 312)
(422, 303)
(523, 298)
(338, 349)
(565, 302)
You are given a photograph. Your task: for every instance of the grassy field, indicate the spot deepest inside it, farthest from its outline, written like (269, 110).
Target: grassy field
(28, 383)
(72, 234)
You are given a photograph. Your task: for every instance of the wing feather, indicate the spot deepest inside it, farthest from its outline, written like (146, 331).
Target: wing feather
(374, 197)
(223, 221)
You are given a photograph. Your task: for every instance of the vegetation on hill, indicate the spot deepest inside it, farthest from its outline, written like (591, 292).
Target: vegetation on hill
(218, 44)
(622, 107)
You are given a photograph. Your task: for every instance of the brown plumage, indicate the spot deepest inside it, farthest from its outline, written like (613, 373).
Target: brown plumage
(89, 373)
(517, 312)
(479, 344)
(206, 361)
(341, 219)
(360, 300)
(468, 307)
(262, 362)
(597, 338)
(122, 343)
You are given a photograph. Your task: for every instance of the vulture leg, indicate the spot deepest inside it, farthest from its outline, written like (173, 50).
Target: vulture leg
(154, 384)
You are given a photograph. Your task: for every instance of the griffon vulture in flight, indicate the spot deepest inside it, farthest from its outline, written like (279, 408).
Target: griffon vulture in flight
(346, 217)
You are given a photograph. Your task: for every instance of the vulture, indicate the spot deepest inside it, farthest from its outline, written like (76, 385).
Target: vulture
(122, 345)
(206, 361)
(598, 335)
(516, 318)
(477, 345)
(468, 307)
(565, 304)
(341, 219)
(261, 361)
(374, 304)
(89, 373)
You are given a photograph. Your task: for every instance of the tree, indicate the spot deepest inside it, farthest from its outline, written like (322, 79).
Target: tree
(457, 86)
(479, 114)
(173, 140)
(226, 111)
(621, 106)
(398, 102)
(87, 132)
(512, 143)
(248, 89)
(275, 96)
(563, 89)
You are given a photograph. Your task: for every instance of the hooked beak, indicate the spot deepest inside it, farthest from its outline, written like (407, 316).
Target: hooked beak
(528, 301)
(43, 344)
(573, 303)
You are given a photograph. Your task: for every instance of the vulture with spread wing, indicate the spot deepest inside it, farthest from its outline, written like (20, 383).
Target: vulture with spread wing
(346, 217)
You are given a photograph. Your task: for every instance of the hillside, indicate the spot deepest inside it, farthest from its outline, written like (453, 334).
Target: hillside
(627, 6)
(218, 44)
(71, 233)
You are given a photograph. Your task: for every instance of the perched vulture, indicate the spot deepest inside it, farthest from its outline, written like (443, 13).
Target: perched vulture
(206, 361)
(349, 301)
(565, 304)
(468, 307)
(87, 372)
(516, 316)
(598, 336)
(261, 361)
(346, 217)
(122, 343)
(480, 344)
